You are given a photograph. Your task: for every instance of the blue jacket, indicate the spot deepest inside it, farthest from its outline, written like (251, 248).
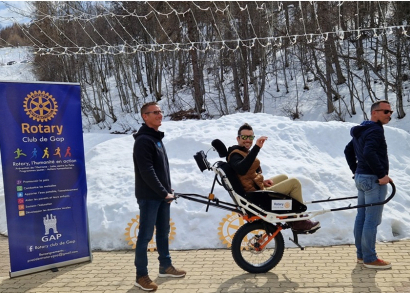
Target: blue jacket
(152, 176)
(366, 153)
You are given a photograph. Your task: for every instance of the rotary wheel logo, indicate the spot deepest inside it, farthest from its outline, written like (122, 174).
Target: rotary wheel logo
(228, 227)
(132, 234)
(40, 106)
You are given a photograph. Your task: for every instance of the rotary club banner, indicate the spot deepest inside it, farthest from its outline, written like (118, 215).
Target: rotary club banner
(42, 155)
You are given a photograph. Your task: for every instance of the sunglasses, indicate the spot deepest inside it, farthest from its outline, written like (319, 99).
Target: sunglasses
(245, 137)
(386, 111)
(155, 112)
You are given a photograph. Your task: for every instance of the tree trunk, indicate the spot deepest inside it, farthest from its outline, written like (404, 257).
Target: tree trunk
(399, 78)
(236, 82)
(192, 35)
(328, 82)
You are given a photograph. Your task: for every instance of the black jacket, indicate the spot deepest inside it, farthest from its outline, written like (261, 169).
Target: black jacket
(366, 153)
(240, 164)
(152, 176)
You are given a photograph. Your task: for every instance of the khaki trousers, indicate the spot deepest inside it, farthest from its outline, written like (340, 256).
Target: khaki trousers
(288, 186)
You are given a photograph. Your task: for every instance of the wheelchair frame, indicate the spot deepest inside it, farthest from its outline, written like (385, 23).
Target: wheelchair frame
(259, 209)
(252, 211)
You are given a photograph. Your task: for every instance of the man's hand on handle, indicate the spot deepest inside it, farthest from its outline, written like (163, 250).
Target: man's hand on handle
(385, 180)
(170, 197)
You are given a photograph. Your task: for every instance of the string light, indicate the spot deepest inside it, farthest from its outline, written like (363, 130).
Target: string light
(85, 23)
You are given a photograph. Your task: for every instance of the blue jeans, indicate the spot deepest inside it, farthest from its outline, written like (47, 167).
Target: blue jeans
(152, 213)
(368, 218)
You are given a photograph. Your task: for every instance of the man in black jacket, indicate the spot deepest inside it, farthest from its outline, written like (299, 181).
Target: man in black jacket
(366, 155)
(154, 195)
(243, 159)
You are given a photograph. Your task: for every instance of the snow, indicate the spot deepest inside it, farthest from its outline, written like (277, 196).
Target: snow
(17, 71)
(311, 151)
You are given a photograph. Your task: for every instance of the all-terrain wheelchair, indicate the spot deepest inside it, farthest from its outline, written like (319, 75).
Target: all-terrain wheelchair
(258, 245)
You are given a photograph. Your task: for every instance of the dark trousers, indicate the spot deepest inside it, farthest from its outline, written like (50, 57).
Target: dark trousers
(153, 213)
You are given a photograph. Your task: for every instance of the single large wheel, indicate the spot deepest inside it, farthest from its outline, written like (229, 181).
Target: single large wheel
(251, 251)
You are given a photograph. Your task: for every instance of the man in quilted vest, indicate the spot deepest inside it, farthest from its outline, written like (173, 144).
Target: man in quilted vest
(244, 161)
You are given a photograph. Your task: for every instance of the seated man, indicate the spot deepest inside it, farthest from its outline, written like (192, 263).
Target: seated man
(245, 163)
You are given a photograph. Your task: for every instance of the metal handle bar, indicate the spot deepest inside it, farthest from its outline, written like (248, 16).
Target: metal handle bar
(370, 204)
(205, 200)
(232, 207)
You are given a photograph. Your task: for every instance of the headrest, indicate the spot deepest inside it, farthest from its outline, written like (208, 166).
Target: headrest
(220, 148)
(201, 161)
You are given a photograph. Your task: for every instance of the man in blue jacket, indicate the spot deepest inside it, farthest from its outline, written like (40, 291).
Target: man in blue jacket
(366, 155)
(154, 195)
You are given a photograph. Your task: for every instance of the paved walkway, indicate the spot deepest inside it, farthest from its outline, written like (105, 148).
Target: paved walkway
(316, 269)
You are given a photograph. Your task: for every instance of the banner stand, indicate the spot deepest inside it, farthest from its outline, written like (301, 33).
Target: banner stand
(49, 267)
(45, 188)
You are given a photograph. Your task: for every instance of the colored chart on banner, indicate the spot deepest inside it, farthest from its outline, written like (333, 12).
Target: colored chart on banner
(42, 154)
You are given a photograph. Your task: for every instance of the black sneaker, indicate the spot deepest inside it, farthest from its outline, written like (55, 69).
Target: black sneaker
(171, 272)
(146, 284)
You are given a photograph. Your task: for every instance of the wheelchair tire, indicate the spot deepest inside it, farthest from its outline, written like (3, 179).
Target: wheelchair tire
(245, 244)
